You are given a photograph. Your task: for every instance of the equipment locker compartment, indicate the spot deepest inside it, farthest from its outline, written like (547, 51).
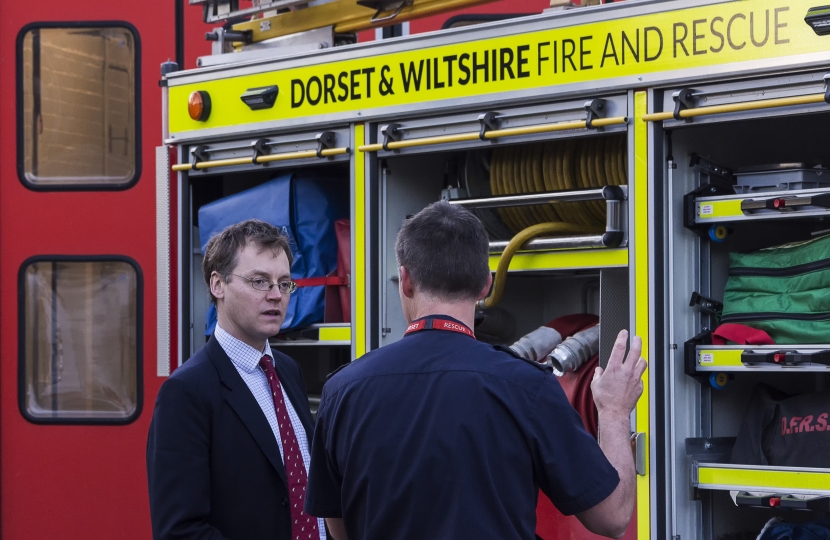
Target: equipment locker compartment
(571, 156)
(745, 166)
(495, 163)
(266, 171)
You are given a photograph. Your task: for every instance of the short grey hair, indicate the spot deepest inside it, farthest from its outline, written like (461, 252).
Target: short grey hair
(446, 251)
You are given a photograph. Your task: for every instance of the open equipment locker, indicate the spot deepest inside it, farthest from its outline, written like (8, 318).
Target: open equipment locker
(729, 126)
(410, 144)
(212, 170)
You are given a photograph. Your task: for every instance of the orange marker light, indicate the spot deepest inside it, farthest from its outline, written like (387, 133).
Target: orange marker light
(198, 105)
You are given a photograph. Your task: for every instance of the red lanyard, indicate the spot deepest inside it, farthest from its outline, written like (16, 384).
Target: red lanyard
(431, 323)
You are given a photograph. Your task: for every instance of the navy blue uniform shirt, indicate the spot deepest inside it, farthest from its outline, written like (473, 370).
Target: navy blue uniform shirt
(441, 436)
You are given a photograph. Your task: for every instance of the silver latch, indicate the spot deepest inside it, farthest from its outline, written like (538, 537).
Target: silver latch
(640, 453)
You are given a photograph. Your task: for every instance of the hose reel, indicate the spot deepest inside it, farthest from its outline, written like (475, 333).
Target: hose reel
(566, 165)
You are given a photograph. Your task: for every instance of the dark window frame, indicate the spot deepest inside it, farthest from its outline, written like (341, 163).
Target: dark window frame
(21, 173)
(21, 339)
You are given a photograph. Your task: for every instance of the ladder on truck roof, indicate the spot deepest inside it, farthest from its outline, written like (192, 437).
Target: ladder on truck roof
(253, 24)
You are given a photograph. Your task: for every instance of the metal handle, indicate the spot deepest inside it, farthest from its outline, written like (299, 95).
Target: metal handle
(495, 134)
(639, 453)
(608, 193)
(256, 160)
(736, 107)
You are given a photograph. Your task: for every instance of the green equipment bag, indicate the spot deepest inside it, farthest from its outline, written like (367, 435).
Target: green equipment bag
(783, 290)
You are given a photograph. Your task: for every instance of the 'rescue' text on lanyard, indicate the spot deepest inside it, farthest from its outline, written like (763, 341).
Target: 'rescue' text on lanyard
(431, 323)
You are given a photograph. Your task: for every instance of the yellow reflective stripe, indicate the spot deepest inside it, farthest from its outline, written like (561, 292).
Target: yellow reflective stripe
(774, 480)
(639, 203)
(359, 228)
(723, 358)
(719, 209)
(564, 260)
(388, 79)
(338, 333)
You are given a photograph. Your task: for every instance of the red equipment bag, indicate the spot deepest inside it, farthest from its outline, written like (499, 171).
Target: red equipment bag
(343, 232)
(550, 523)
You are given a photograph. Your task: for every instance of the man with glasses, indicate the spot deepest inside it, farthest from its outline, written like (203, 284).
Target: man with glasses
(228, 449)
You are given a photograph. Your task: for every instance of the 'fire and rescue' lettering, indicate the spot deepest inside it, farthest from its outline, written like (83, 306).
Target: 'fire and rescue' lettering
(548, 60)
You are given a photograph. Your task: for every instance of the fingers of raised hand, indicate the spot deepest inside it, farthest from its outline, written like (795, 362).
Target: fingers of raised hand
(640, 367)
(618, 352)
(635, 351)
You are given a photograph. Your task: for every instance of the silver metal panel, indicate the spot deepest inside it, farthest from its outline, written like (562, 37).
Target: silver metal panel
(183, 210)
(277, 144)
(683, 395)
(271, 49)
(513, 117)
(640, 453)
(219, 10)
(163, 261)
(743, 91)
(654, 353)
(588, 241)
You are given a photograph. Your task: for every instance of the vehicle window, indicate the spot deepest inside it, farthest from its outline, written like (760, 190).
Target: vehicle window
(80, 340)
(77, 91)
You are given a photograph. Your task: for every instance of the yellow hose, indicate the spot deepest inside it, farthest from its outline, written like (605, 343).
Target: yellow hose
(555, 165)
(517, 242)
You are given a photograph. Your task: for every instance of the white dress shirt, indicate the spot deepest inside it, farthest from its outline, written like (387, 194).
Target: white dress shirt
(246, 361)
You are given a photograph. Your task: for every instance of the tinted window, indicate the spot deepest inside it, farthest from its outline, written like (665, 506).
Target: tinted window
(80, 340)
(78, 121)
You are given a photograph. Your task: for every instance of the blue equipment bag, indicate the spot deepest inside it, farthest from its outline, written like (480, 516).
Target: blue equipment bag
(305, 208)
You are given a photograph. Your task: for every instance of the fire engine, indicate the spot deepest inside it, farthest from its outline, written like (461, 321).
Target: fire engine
(622, 157)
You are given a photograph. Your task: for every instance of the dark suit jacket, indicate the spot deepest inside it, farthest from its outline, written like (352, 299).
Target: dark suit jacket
(213, 464)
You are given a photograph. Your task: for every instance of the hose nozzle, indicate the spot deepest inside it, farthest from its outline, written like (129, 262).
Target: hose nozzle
(574, 351)
(536, 345)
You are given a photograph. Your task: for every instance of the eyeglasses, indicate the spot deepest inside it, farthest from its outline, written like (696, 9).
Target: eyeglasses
(286, 287)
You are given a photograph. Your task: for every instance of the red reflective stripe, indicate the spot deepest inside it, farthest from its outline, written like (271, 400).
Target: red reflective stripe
(439, 324)
(318, 281)
(740, 334)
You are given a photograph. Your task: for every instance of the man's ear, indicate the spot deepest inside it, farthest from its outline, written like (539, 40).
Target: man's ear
(486, 289)
(217, 285)
(407, 287)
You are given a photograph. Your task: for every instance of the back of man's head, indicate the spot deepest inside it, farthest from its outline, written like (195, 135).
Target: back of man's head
(445, 249)
(222, 250)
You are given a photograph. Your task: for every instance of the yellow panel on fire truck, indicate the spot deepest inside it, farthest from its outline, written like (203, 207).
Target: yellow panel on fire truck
(522, 60)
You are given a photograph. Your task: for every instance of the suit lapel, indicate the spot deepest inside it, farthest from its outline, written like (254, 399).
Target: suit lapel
(242, 401)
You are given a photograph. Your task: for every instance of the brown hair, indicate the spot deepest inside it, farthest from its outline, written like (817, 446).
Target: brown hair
(222, 250)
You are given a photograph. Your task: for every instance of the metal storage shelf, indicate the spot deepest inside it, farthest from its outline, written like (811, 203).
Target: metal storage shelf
(316, 334)
(584, 259)
(754, 358)
(762, 206)
(784, 480)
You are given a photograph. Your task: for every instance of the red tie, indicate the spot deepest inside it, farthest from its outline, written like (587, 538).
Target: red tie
(303, 526)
